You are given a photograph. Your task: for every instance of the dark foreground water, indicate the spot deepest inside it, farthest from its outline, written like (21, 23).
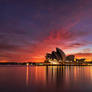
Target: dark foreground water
(45, 78)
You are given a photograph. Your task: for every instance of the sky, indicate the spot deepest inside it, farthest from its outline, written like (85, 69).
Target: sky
(31, 28)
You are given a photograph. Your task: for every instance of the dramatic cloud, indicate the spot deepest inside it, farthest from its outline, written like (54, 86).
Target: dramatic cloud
(30, 29)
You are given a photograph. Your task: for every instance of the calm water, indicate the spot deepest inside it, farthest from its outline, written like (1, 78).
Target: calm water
(45, 79)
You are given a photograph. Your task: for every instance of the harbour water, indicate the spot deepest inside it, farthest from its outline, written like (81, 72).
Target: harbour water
(45, 78)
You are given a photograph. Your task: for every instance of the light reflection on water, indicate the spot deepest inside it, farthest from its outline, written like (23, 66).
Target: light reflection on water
(45, 78)
(27, 75)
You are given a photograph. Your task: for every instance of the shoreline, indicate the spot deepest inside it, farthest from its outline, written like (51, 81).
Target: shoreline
(26, 64)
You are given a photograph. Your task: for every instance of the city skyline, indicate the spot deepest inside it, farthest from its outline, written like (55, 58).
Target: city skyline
(30, 29)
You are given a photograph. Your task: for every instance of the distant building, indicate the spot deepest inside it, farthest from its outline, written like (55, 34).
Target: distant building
(55, 57)
(58, 56)
(61, 55)
(70, 58)
(80, 60)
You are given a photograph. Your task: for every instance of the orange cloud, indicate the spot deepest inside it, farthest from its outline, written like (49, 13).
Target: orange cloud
(87, 56)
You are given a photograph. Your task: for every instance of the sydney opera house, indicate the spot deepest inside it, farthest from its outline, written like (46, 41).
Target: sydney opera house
(58, 56)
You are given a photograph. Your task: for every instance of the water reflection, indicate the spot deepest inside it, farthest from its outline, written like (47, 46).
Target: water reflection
(60, 77)
(37, 75)
(45, 78)
(54, 75)
(27, 75)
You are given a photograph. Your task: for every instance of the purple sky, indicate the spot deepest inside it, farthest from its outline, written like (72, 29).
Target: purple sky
(31, 28)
